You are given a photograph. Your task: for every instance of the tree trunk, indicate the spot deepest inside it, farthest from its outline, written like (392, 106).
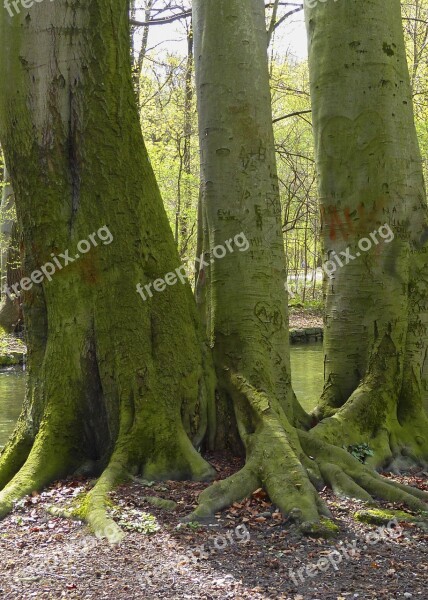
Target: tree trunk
(374, 207)
(242, 284)
(240, 195)
(115, 382)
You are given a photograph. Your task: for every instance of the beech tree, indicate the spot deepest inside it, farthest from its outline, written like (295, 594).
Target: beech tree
(370, 180)
(242, 296)
(115, 384)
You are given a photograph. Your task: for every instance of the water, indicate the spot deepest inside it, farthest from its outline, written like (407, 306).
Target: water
(12, 389)
(306, 368)
(307, 373)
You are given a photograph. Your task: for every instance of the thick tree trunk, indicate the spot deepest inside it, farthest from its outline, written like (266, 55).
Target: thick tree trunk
(242, 285)
(374, 208)
(240, 194)
(112, 378)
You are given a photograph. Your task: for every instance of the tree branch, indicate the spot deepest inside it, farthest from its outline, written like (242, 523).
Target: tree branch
(293, 114)
(282, 19)
(184, 15)
(272, 22)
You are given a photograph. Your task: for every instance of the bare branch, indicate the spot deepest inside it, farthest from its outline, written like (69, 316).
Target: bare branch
(282, 19)
(184, 15)
(272, 22)
(293, 114)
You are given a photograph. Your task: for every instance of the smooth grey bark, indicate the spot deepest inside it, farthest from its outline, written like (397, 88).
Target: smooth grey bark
(370, 180)
(241, 288)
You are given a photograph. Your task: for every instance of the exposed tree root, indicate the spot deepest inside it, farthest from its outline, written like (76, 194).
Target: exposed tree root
(395, 445)
(348, 477)
(15, 453)
(48, 460)
(290, 464)
(385, 411)
(51, 458)
(94, 508)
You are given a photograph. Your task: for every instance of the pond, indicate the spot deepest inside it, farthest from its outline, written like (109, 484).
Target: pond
(307, 373)
(307, 377)
(12, 389)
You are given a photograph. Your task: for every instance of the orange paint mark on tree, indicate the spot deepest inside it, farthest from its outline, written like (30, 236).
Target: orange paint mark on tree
(340, 222)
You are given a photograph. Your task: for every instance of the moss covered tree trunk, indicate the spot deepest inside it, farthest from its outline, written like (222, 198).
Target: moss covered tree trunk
(375, 230)
(241, 287)
(115, 382)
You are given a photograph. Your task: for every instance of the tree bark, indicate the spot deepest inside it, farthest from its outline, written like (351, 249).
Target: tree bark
(370, 180)
(240, 194)
(242, 289)
(114, 382)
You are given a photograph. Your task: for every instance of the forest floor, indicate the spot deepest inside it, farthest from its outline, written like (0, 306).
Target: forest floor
(305, 318)
(11, 343)
(250, 552)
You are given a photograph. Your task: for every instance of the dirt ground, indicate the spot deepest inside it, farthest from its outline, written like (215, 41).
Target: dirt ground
(249, 552)
(305, 318)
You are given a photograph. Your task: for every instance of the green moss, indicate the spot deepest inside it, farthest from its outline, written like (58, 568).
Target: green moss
(377, 516)
(15, 358)
(325, 528)
(161, 503)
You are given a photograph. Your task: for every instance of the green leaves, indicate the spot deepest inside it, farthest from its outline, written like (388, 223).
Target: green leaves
(360, 451)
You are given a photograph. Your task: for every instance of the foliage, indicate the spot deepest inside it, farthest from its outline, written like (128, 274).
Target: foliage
(163, 116)
(360, 451)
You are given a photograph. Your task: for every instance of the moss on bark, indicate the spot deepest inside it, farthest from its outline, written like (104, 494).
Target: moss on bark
(114, 381)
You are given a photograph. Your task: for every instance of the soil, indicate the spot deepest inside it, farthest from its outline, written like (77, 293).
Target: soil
(305, 318)
(249, 552)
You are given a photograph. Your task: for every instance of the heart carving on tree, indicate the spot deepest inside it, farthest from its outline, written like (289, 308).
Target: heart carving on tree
(342, 135)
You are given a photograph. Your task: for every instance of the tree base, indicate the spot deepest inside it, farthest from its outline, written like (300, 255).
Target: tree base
(291, 465)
